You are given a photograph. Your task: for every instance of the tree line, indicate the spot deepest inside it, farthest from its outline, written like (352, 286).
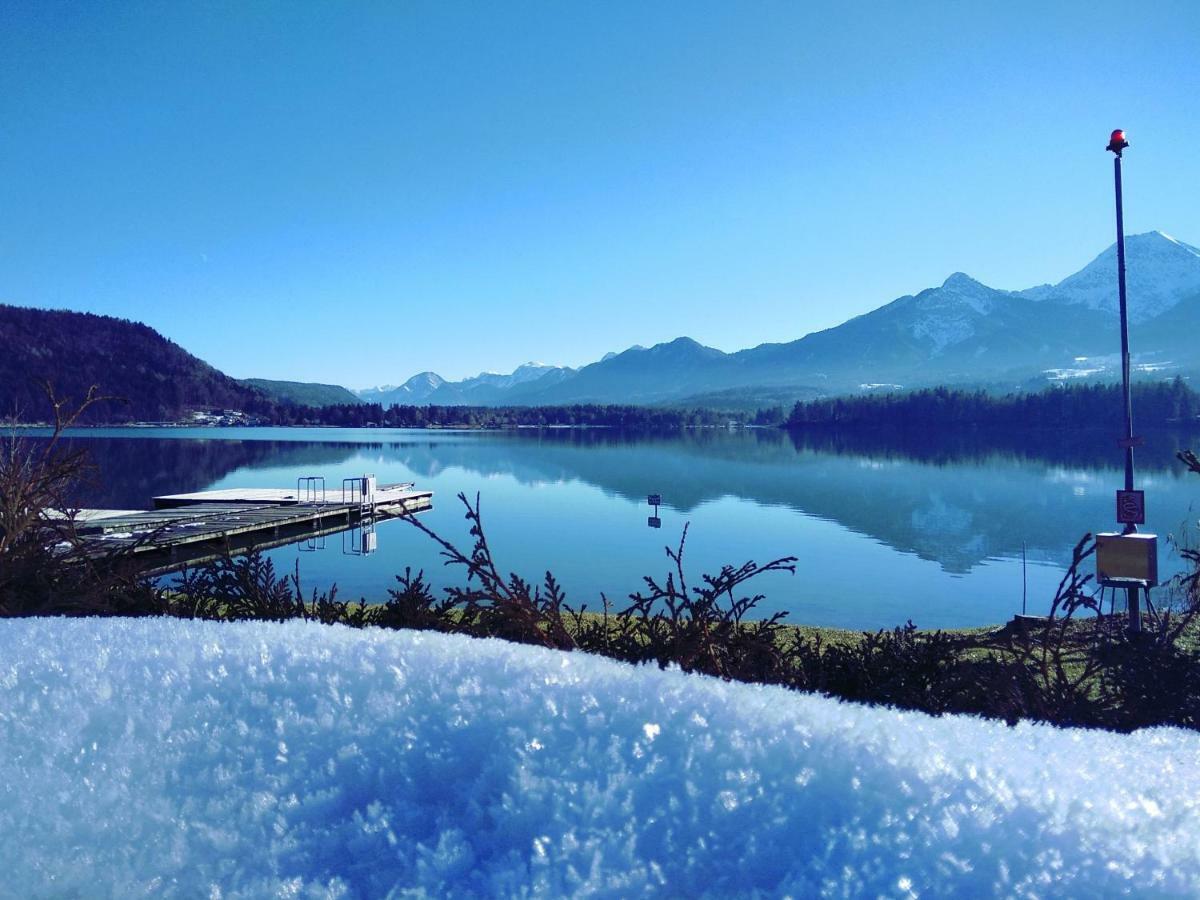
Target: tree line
(1079, 406)
(363, 415)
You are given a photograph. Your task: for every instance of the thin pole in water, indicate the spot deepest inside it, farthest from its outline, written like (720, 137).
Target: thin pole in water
(1024, 580)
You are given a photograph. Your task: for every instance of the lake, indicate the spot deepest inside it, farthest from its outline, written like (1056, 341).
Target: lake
(885, 529)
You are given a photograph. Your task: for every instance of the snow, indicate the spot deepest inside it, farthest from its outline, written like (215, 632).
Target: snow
(530, 371)
(942, 331)
(949, 315)
(1160, 272)
(970, 293)
(180, 759)
(422, 381)
(1076, 372)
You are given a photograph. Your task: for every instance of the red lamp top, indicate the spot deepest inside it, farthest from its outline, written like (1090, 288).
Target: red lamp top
(1117, 142)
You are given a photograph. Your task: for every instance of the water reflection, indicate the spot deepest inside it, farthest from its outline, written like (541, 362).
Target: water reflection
(1078, 448)
(969, 498)
(570, 498)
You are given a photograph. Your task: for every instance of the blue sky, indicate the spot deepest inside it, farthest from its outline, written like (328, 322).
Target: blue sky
(353, 193)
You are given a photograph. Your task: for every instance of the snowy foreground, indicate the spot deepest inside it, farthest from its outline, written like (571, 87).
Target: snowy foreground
(168, 758)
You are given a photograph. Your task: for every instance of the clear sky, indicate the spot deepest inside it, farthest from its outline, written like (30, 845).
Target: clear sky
(353, 192)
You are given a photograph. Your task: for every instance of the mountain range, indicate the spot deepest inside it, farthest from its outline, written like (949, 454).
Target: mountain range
(485, 389)
(961, 332)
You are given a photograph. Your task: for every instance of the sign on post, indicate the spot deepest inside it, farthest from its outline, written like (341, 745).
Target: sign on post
(1131, 507)
(654, 500)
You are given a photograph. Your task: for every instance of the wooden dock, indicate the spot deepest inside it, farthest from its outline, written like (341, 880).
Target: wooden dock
(188, 529)
(385, 496)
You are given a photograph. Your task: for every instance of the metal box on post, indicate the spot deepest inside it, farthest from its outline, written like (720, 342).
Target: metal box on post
(1127, 560)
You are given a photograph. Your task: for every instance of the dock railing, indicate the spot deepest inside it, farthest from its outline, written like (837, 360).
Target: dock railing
(312, 487)
(360, 490)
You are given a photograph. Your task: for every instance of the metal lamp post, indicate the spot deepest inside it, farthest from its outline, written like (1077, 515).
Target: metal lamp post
(1116, 145)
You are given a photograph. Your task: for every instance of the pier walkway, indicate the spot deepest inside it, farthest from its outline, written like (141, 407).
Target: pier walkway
(188, 529)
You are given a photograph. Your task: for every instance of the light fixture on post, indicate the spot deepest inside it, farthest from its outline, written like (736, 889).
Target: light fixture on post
(1127, 560)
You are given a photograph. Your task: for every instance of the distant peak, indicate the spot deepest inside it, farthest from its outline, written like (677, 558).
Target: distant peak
(1149, 245)
(429, 377)
(684, 348)
(960, 280)
(680, 342)
(1150, 239)
(1162, 271)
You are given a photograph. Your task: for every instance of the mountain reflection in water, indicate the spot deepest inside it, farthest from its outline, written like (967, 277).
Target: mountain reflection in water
(887, 526)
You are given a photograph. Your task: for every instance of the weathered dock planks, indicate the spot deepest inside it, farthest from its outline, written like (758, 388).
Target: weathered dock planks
(186, 529)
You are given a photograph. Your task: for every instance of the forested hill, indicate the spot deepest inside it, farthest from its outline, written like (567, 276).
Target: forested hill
(1074, 407)
(72, 351)
(302, 393)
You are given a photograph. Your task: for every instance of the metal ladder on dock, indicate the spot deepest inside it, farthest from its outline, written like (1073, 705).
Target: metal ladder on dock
(363, 488)
(312, 487)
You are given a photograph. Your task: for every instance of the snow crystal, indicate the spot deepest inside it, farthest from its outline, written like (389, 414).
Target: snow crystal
(187, 759)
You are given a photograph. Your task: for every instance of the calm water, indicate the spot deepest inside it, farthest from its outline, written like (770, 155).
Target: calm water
(884, 531)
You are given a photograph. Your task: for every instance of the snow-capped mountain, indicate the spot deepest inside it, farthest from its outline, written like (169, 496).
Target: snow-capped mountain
(530, 371)
(483, 389)
(1160, 271)
(960, 332)
(416, 390)
(949, 315)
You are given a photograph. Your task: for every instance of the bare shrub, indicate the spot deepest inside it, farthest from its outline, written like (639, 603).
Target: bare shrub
(489, 604)
(45, 569)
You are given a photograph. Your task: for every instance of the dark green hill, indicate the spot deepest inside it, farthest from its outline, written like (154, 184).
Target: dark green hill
(157, 379)
(302, 393)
